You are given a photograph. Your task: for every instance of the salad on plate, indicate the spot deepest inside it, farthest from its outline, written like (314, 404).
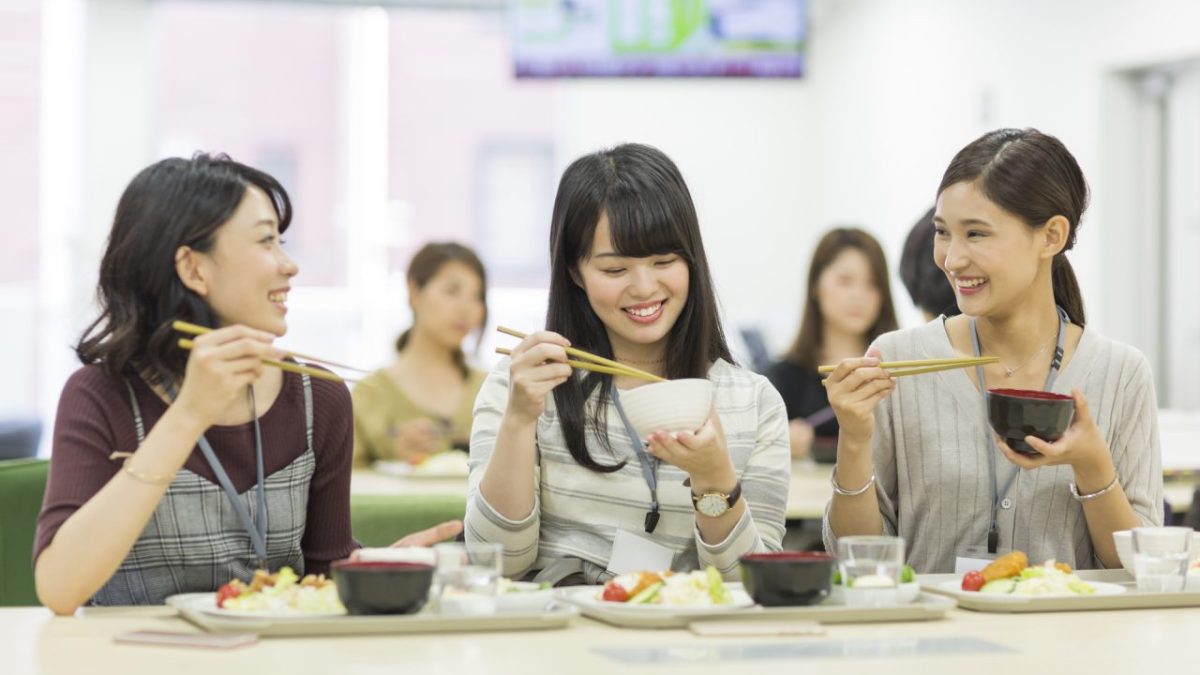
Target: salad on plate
(283, 592)
(676, 589)
(1011, 574)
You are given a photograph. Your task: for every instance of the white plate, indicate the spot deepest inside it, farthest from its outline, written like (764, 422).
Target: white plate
(207, 604)
(590, 597)
(955, 588)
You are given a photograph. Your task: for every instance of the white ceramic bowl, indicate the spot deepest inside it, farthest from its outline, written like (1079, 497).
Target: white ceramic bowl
(675, 405)
(1124, 542)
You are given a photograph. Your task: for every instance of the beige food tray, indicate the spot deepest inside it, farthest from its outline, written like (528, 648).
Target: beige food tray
(1130, 599)
(926, 607)
(557, 616)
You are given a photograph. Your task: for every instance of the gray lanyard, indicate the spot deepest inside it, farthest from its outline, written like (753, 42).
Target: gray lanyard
(993, 537)
(649, 464)
(256, 530)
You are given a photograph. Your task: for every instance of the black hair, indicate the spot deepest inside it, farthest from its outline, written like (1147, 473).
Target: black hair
(650, 212)
(172, 203)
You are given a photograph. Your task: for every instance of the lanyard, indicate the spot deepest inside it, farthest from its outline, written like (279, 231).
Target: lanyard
(649, 464)
(993, 537)
(256, 530)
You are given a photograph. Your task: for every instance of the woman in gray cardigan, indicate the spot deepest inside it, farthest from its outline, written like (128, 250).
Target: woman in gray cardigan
(917, 456)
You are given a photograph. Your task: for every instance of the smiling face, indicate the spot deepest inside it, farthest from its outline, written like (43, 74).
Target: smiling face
(246, 276)
(992, 258)
(848, 293)
(637, 299)
(450, 304)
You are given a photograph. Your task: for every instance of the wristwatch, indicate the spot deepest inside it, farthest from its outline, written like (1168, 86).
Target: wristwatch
(716, 504)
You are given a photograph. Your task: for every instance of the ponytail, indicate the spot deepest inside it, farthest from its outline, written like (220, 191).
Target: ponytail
(1066, 289)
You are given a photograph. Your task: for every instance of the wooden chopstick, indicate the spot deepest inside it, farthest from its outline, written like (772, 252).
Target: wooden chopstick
(582, 365)
(185, 343)
(193, 329)
(628, 371)
(901, 368)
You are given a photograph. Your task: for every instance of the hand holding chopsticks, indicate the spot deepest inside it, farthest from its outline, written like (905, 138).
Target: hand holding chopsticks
(588, 361)
(193, 329)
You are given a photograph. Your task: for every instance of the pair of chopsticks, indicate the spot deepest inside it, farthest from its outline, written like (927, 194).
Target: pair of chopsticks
(921, 366)
(193, 329)
(591, 362)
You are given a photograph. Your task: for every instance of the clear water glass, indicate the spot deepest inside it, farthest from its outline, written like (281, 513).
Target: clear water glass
(870, 569)
(1160, 558)
(468, 577)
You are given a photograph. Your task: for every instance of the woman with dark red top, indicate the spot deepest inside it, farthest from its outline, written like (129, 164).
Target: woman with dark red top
(176, 471)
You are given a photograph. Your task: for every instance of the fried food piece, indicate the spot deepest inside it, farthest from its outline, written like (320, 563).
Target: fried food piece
(645, 580)
(261, 580)
(1007, 565)
(314, 580)
(1063, 567)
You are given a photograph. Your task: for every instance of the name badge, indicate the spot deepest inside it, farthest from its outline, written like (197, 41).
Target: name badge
(632, 553)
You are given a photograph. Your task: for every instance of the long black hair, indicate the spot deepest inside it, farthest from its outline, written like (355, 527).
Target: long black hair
(1034, 177)
(425, 265)
(805, 350)
(172, 203)
(650, 212)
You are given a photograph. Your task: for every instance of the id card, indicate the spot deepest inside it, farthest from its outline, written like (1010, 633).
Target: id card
(632, 553)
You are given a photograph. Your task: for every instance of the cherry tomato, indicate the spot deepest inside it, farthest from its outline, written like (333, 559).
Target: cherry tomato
(614, 592)
(972, 581)
(226, 592)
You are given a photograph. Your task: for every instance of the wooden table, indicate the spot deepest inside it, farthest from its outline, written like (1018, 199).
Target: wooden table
(1133, 641)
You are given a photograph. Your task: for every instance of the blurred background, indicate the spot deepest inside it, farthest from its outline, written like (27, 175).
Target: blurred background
(401, 122)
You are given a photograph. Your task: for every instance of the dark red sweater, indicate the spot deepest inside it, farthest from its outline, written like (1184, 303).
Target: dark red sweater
(95, 419)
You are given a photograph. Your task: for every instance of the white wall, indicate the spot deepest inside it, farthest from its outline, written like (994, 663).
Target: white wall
(894, 90)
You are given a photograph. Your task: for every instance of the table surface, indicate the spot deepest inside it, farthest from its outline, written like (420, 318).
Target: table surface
(810, 489)
(1128, 641)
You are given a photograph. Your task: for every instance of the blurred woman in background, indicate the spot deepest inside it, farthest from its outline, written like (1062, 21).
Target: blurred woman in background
(421, 403)
(848, 303)
(923, 279)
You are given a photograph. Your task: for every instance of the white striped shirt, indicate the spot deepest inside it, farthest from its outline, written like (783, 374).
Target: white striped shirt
(931, 456)
(577, 512)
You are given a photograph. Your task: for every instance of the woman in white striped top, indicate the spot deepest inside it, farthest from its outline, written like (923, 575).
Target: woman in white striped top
(917, 456)
(554, 473)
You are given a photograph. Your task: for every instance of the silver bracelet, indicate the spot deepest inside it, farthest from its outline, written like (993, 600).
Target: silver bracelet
(1094, 495)
(849, 493)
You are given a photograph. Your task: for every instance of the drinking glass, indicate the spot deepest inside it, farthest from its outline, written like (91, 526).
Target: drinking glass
(468, 577)
(870, 568)
(1160, 558)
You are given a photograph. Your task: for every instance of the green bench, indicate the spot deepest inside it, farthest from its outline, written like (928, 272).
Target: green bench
(375, 520)
(22, 483)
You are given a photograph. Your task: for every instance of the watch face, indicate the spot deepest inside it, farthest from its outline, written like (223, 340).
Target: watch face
(712, 505)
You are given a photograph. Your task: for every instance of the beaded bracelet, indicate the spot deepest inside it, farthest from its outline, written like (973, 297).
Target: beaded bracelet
(849, 493)
(1092, 495)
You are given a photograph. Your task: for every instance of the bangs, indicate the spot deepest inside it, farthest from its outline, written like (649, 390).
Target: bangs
(645, 225)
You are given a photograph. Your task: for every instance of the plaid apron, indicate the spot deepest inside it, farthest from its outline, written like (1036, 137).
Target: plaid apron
(195, 542)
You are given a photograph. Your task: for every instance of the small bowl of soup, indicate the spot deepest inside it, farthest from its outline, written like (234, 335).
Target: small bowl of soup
(788, 578)
(1017, 413)
(382, 587)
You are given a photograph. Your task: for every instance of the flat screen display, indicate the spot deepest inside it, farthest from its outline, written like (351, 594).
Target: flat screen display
(658, 38)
